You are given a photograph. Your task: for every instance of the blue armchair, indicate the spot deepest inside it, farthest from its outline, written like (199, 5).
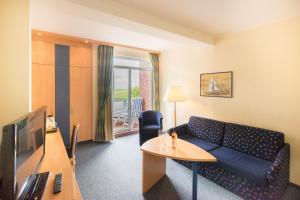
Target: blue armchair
(149, 123)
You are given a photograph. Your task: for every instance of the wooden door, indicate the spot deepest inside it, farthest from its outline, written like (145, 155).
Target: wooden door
(43, 76)
(42, 52)
(43, 82)
(81, 104)
(81, 101)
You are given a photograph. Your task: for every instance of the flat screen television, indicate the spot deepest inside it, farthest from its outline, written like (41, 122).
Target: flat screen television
(22, 149)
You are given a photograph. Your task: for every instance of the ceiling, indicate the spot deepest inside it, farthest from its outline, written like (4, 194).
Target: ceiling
(218, 17)
(69, 18)
(157, 24)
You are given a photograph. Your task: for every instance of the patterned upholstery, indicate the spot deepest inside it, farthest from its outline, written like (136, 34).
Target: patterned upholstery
(207, 146)
(244, 187)
(206, 129)
(281, 165)
(244, 165)
(180, 130)
(257, 142)
(278, 155)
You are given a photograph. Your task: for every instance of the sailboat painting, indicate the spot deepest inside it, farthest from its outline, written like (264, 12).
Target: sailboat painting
(216, 84)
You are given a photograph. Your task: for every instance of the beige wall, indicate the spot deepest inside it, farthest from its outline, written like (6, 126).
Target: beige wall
(266, 72)
(130, 52)
(14, 60)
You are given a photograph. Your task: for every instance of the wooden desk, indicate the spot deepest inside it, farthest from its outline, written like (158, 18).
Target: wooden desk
(56, 161)
(154, 160)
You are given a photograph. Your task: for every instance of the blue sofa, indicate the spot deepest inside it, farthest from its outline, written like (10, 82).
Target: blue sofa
(252, 162)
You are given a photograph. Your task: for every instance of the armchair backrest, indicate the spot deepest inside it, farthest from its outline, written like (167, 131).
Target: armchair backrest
(151, 117)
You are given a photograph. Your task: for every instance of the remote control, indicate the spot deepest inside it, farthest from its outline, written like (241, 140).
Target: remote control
(57, 183)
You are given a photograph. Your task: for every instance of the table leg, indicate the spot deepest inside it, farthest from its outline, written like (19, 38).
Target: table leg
(154, 168)
(194, 167)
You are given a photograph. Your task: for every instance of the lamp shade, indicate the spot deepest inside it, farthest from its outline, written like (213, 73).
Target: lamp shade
(175, 93)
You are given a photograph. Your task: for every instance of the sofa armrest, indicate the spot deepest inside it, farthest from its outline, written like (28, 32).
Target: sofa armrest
(280, 169)
(180, 130)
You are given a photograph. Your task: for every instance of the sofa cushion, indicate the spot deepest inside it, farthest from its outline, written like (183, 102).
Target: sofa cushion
(254, 141)
(206, 129)
(250, 167)
(207, 146)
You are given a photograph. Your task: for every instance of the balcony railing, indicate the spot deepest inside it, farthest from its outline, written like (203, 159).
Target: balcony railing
(123, 119)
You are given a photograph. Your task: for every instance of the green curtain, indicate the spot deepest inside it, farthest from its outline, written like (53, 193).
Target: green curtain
(155, 86)
(104, 116)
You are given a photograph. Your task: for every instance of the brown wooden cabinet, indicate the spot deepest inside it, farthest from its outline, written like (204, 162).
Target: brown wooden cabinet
(81, 90)
(43, 79)
(81, 100)
(42, 52)
(43, 92)
(80, 56)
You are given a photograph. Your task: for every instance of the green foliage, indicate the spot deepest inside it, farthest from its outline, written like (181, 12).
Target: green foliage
(122, 94)
(135, 92)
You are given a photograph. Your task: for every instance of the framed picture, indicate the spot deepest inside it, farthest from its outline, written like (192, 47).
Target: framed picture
(217, 84)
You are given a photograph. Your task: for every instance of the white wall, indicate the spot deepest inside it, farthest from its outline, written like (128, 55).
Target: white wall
(266, 90)
(14, 60)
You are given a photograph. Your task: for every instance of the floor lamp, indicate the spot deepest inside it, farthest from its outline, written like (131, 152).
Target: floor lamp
(175, 94)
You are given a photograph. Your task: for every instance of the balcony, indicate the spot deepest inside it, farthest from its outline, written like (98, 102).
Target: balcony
(125, 114)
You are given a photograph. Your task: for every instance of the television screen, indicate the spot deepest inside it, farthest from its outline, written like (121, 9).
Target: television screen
(22, 150)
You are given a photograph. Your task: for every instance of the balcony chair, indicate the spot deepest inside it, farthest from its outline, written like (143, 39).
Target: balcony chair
(137, 106)
(122, 115)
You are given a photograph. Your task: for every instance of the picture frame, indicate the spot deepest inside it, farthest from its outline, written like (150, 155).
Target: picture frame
(217, 84)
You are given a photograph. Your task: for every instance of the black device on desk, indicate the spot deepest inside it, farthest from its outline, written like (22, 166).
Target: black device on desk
(57, 183)
(22, 151)
(35, 190)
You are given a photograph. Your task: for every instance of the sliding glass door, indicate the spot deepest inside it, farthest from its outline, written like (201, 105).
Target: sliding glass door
(132, 94)
(121, 95)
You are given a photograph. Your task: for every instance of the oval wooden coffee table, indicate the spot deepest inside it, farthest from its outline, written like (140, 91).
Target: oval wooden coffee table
(154, 160)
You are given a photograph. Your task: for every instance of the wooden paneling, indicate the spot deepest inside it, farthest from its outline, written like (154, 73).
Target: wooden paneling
(54, 38)
(43, 83)
(43, 77)
(42, 52)
(74, 41)
(81, 101)
(80, 56)
(81, 90)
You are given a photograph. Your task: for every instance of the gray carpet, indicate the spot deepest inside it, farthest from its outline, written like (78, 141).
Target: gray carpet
(112, 171)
